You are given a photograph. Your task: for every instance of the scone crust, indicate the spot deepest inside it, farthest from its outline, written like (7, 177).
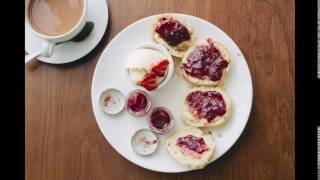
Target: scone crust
(179, 50)
(206, 82)
(185, 160)
(189, 119)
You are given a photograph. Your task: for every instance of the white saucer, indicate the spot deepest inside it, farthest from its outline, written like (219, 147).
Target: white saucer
(71, 51)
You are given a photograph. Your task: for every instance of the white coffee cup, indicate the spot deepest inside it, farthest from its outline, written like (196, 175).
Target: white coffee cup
(47, 47)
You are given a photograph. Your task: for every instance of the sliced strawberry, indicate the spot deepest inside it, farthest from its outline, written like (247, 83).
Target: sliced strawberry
(161, 68)
(149, 81)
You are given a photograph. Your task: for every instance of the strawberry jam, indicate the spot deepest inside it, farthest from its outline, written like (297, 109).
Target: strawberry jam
(172, 31)
(205, 62)
(106, 100)
(138, 102)
(149, 81)
(208, 105)
(193, 143)
(160, 120)
(161, 68)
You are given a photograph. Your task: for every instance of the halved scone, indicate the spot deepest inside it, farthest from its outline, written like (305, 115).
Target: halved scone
(206, 63)
(191, 147)
(206, 107)
(172, 32)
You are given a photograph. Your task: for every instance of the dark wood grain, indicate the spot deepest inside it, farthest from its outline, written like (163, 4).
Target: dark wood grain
(63, 141)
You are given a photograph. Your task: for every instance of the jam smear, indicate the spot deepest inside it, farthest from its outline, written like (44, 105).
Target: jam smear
(160, 118)
(208, 105)
(137, 102)
(151, 142)
(149, 81)
(193, 143)
(205, 62)
(172, 31)
(106, 100)
(161, 68)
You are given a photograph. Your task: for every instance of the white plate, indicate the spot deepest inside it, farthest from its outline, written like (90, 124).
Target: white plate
(110, 73)
(71, 51)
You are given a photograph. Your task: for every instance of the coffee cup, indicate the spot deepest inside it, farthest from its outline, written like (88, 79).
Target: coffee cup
(55, 21)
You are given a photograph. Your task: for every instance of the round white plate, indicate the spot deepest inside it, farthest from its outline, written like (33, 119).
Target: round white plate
(71, 51)
(110, 73)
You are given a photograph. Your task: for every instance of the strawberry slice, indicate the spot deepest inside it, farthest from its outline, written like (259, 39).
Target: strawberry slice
(149, 81)
(161, 68)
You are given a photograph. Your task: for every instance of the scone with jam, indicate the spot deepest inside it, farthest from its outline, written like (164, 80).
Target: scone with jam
(206, 63)
(191, 147)
(205, 107)
(172, 32)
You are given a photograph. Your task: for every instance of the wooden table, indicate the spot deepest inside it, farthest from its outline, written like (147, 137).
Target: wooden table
(63, 140)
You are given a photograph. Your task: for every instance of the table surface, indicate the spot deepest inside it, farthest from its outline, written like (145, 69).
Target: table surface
(62, 138)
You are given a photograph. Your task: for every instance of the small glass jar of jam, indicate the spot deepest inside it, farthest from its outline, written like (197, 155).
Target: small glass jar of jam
(138, 103)
(160, 120)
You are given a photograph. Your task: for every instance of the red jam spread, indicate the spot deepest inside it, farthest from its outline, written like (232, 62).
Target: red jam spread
(106, 100)
(205, 62)
(160, 118)
(172, 31)
(161, 68)
(137, 102)
(208, 105)
(151, 142)
(149, 80)
(193, 143)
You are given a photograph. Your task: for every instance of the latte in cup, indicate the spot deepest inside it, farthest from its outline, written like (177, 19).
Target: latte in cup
(54, 17)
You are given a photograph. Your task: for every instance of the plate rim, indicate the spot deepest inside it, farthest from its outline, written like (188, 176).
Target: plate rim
(250, 94)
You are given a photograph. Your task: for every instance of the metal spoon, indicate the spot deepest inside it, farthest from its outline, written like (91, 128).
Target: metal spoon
(88, 27)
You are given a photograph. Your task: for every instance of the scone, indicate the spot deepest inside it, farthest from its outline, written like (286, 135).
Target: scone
(206, 63)
(191, 147)
(205, 107)
(173, 33)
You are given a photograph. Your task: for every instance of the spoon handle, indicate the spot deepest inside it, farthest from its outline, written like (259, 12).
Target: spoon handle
(31, 56)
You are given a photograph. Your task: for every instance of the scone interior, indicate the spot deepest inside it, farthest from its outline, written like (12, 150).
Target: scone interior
(206, 63)
(191, 147)
(206, 110)
(172, 32)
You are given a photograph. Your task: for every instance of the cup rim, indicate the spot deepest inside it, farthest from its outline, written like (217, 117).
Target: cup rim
(27, 20)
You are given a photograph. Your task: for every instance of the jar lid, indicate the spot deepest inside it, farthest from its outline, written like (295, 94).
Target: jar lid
(144, 142)
(111, 101)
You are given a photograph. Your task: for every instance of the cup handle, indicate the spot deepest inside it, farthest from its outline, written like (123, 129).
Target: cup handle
(47, 48)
